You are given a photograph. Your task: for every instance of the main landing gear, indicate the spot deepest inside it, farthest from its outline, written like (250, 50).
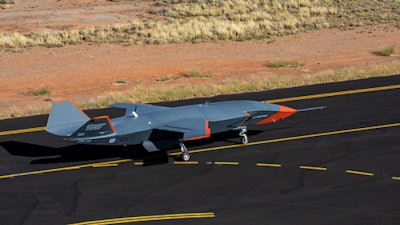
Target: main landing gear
(185, 153)
(244, 139)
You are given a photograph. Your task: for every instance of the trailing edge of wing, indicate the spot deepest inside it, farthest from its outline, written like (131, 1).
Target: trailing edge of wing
(192, 129)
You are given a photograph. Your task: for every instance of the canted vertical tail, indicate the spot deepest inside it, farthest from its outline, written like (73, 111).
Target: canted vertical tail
(65, 118)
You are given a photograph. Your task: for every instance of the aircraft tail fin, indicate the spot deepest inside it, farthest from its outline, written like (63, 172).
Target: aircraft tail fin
(65, 118)
(95, 128)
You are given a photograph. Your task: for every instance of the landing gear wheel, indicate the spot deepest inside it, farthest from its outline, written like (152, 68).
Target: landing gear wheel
(185, 157)
(243, 134)
(185, 154)
(244, 139)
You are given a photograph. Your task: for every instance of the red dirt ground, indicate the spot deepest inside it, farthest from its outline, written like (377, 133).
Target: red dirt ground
(84, 71)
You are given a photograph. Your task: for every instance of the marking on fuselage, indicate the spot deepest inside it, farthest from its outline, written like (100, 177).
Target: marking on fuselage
(149, 218)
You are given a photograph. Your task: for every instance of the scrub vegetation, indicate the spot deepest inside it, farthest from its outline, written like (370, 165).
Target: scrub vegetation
(158, 93)
(286, 63)
(387, 51)
(174, 21)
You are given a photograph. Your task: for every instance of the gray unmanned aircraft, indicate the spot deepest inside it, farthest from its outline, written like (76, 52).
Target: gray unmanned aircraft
(160, 128)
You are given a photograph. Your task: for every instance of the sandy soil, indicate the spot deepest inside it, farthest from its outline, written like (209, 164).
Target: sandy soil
(83, 71)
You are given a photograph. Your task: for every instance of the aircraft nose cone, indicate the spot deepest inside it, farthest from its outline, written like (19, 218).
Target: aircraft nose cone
(286, 111)
(283, 112)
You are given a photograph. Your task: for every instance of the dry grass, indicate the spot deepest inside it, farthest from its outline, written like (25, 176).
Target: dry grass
(204, 20)
(159, 93)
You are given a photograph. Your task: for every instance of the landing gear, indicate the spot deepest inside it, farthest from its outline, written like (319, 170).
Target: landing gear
(244, 139)
(185, 154)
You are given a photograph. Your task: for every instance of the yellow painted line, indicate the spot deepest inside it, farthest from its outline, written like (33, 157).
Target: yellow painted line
(269, 164)
(313, 168)
(105, 165)
(292, 138)
(331, 94)
(359, 173)
(396, 178)
(187, 163)
(227, 163)
(21, 131)
(63, 169)
(149, 218)
(138, 163)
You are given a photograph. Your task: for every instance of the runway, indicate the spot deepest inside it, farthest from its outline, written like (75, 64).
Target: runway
(339, 165)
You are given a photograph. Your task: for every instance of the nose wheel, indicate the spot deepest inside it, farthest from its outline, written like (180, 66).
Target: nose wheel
(244, 139)
(185, 153)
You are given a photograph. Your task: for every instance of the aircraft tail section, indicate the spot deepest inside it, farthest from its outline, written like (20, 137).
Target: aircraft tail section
(95, 128)
(65, 118)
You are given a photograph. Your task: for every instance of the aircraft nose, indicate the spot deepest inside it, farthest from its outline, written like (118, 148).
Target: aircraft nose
(286, 111)
(283, 112)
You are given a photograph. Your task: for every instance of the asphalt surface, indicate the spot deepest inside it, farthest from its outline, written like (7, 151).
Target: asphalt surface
(346, 177)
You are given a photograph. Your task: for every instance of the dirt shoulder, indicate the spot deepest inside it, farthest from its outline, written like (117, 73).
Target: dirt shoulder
(80, 72)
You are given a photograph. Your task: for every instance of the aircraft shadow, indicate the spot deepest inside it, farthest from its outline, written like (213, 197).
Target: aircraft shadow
(76, 153)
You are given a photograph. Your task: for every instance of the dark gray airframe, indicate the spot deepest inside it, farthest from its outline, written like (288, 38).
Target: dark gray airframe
(158, 128)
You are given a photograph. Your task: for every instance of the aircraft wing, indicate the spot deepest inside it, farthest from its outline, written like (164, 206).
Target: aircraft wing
(137, 109)
(170, 134)
(192, 129)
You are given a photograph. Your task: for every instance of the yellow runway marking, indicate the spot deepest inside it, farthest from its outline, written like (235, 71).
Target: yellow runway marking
(139, 163)
(291, 138)
(21, 131)
(269, 164)
(104, 165)
(313, 168)
(186, 163)
(359, 173)
(149, 218)
(227, 163)
(331, 94)
(64, 169)
(206, 150)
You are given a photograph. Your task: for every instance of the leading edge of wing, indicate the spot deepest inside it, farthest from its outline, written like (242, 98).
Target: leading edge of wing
(133, 109)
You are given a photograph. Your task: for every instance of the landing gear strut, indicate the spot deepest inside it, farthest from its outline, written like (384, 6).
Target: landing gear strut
(244, 139)
(185, 154)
